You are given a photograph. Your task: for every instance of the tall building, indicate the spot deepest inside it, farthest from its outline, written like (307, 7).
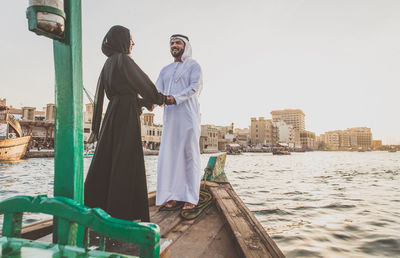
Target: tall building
(308, 140)
(364, 136)
(294, 117)
(358, 137)
(331, 140)
(262, 131)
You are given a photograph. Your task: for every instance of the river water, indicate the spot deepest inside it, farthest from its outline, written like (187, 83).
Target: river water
(313, 204)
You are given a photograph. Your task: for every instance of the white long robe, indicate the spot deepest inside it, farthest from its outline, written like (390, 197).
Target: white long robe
(179, 171)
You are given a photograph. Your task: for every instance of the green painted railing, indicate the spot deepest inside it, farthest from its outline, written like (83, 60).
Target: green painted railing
(70, 213)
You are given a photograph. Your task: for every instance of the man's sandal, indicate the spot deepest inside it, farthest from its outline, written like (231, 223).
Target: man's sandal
(188, 206)
(175, 207)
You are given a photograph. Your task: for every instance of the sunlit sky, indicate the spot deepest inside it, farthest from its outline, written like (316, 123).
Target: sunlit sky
(337, 60)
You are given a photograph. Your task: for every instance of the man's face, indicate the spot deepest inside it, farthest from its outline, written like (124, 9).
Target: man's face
(177, 47)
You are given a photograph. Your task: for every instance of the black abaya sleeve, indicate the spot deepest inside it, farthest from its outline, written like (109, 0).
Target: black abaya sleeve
(97, 110)
(142, 103)
(139, 81)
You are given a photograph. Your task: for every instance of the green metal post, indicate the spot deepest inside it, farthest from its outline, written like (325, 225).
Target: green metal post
(68, 163)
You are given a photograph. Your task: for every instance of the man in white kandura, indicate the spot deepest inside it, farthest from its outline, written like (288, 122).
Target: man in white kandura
(178, 172)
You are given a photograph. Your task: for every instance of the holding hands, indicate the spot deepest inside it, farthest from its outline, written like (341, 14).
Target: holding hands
(169, 100)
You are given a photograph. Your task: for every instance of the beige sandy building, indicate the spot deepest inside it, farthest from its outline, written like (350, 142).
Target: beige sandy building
(262, 132)
(209, 139)
(351, 138)
(308, 140)
(294, 117)
(151, 133)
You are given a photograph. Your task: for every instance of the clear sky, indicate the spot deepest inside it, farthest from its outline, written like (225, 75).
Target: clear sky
(337, 60)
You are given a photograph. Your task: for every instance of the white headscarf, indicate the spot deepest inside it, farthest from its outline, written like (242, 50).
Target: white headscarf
(186, 57)
(187, 53)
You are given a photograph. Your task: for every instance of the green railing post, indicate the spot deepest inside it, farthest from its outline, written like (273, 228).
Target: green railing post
(68, 162)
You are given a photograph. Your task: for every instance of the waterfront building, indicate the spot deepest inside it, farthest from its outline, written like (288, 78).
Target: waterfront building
(345, 139)
(294, 117)
(28, 113)
(376, 144)
(242, 136)
(50, 112)
(351, 138)
(209, 139)
(331, 140)
(222, 144)
(151, 132)
(224, 130)
(363, 135)
(225, 136)
(3, 102)
(308, 140)
(263, 132)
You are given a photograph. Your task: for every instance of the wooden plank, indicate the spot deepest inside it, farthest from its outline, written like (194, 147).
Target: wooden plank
(222, 245)
(166, 220)
(270, 244)
(195, 240)
(224, 202)
(251, 239)
(184, 225)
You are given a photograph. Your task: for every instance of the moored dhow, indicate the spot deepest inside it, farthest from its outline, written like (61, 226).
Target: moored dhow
(13, 144)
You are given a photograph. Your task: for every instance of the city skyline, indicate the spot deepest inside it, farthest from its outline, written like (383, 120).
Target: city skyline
(337, 62)
(277, 113)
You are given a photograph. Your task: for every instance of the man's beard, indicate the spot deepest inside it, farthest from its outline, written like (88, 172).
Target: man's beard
(178, 54)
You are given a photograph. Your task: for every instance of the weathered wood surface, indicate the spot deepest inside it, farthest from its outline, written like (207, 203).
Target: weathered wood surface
(202, 237)
(252, 239)
(39, 154)
(227, 228)
(13, 149)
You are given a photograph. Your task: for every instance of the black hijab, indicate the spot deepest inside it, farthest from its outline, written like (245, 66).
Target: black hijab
(117, 40)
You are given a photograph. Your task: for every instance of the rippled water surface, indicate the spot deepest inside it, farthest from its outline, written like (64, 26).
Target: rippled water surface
(313, 204)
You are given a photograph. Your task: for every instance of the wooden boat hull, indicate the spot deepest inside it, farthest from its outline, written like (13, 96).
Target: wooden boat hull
(13, 149)
(281, 153)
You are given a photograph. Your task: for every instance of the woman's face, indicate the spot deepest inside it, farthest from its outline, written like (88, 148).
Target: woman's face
(131, 44)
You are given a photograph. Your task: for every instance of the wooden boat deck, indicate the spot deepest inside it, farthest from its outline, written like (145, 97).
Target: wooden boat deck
(226, 228)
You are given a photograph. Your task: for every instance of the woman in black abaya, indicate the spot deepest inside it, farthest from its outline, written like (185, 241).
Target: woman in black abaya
(116, 181)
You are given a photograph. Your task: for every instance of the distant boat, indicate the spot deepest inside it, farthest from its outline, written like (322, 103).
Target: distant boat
(281, 153)
(88, 154)
(392, 150)
(233, 149)
(13, 145)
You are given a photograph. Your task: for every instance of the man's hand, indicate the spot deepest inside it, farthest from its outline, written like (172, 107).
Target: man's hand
(170, 100)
